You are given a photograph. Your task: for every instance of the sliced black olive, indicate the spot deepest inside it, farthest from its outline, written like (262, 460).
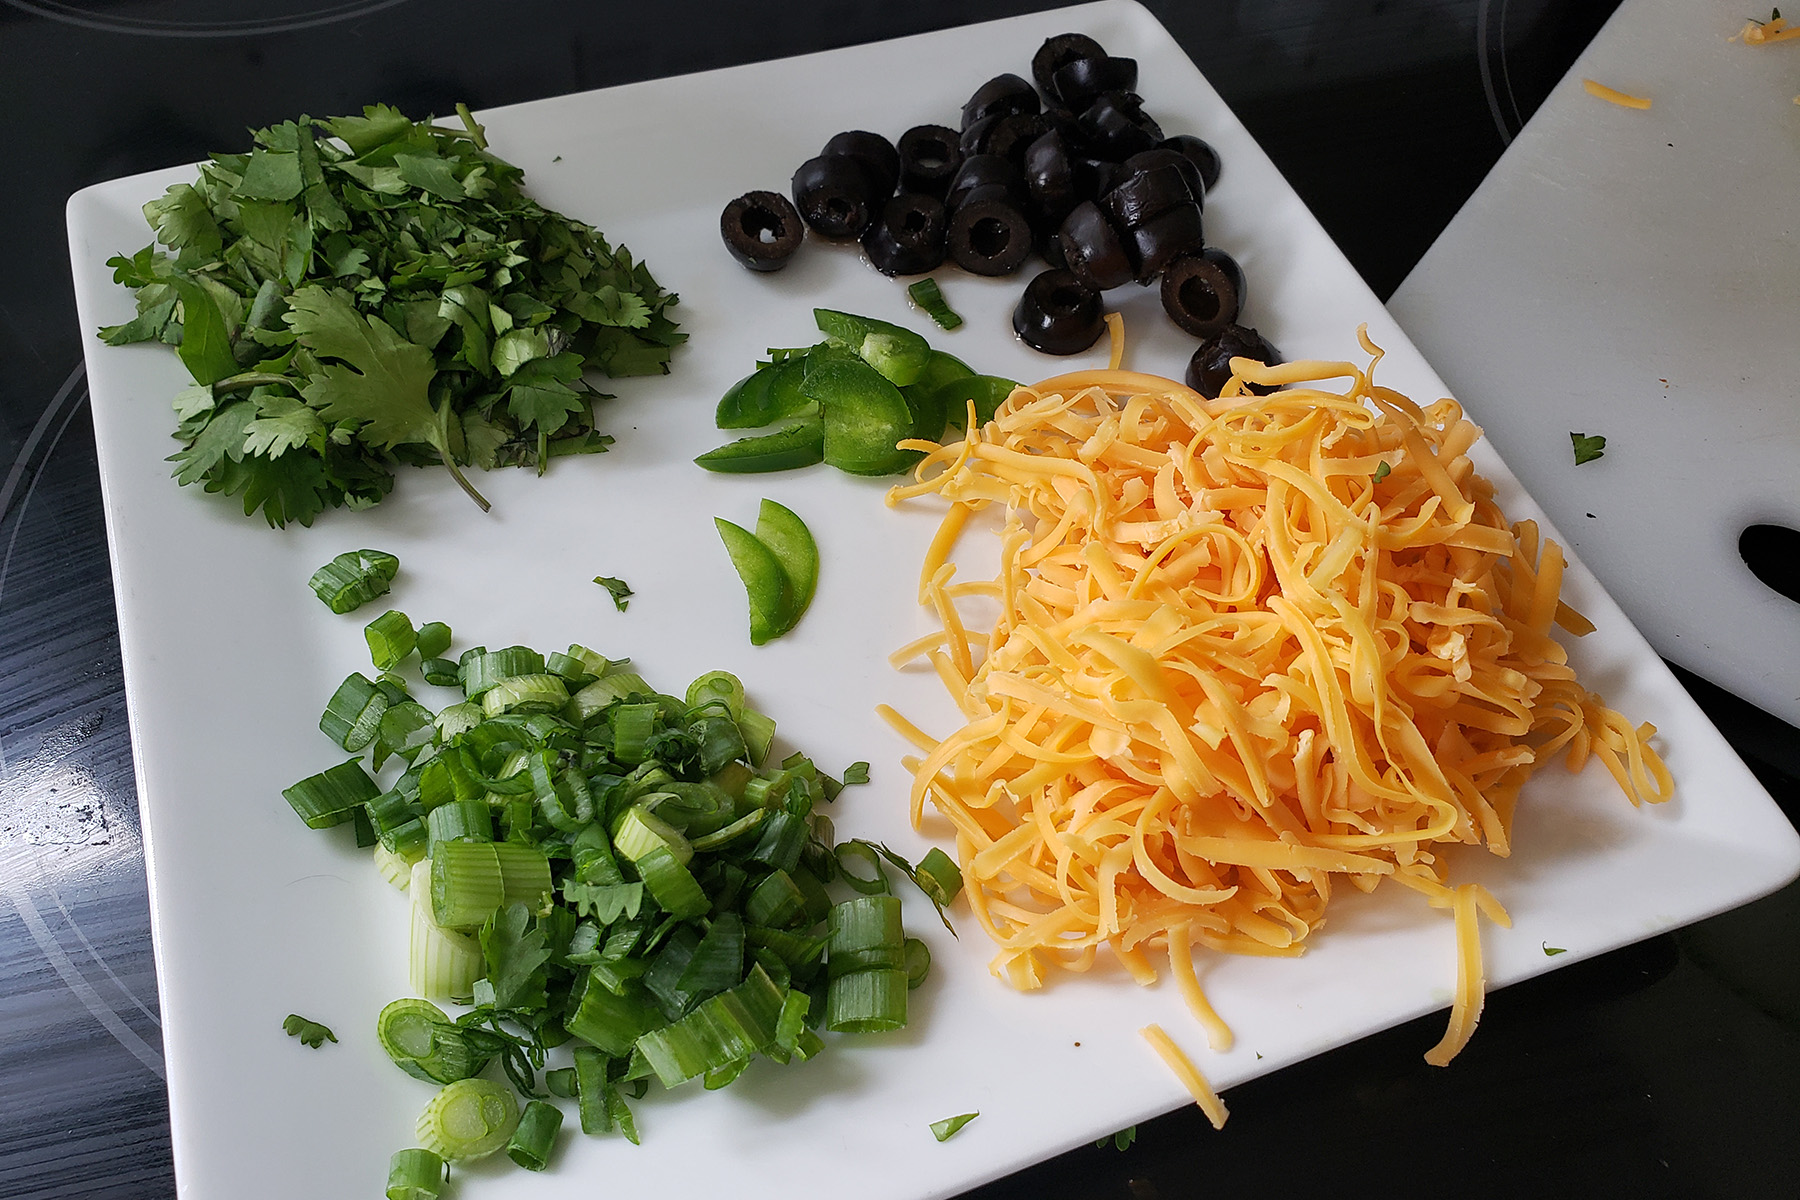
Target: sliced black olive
(984, 170)
(1011, 135)
(1049, 175)
(1164, 156)
(929, 156)
(834, 195)
(1200, 153)
(908, 237)
(1143, 194)
(1117, 125)
(1094, 177)
(1058, 52)
(1153, 244)
(1210, 368)
(1000, 96)
(877, 156)
(1092, 249)
(973, 139)
(1080, 81)
(989, 236)
(1204, 292)
(1059, 314)
(762, 230)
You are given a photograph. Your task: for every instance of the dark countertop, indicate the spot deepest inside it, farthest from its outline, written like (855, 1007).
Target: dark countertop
(1669, 1068)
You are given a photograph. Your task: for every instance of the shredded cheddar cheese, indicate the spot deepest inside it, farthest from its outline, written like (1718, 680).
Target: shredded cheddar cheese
(1763, 33)
(1614, 96)
(1234, 665)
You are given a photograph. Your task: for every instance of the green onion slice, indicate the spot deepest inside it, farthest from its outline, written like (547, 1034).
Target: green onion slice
(425, 1043)
(469, 1119)
(391, 638)
(354, 578)
(926, 294)
(943, 1130)
(415, 1175)
(535, 1136)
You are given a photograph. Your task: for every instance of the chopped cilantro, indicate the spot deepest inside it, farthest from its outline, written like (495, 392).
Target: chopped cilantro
(1381, 470)
(310, 1033)
(356, 293)
(1120, 1141)
(1587, 448)
(856, 772)
(621, 591)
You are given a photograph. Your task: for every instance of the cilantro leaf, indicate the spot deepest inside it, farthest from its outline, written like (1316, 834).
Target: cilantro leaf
(856, 772)
(1552, 951)
(1587, 448)
(183, 222)
(285, 424)
(379, 125)
(271, 175)
(604, 903)
(205, 344)
(515, 951)
(290, 488)
(621, 591)
(221, 438)
(383, 384)
(310, 1033)
(1381, 471)
(540, 394)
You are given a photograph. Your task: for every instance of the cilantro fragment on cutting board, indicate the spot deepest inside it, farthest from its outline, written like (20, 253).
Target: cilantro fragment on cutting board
(357, 293)
(310, 1033)
(1587, 448)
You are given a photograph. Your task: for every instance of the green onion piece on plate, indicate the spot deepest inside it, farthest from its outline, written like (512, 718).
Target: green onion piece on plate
(425, 1043)
(391, 638)
(354, 578)
(468, 1119)
(926, 294)
(945, 1129)
(533, 1140)
(415, 1175)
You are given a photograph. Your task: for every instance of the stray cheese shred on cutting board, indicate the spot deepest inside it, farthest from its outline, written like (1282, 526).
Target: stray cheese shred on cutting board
(1243, 650)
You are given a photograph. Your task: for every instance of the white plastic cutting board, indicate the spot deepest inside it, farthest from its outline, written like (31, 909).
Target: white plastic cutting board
(1636, 274)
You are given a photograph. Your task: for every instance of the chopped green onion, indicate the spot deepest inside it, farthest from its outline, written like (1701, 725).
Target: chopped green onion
(866, 934)
(469, 1119)
(859, 865)
(415, 1175)
(391, 638)
(917, 961)
(482, 670)
(561, 1082)
(535, 1136)
(426, 1043)
(610, 1022)
(433, 639)
(442, 963)
(310, 1033)
(926, 294)
(332, 796)
(945, 1129)
(525, 694)
(352, 717)
(939, 877)
(440, 672)
(590, 1090)
(354, 578)
(730, 1026)
(470, 881)
(872, 1001)
(392, 866)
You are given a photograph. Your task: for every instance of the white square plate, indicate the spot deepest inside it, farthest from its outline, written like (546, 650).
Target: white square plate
(229, 659)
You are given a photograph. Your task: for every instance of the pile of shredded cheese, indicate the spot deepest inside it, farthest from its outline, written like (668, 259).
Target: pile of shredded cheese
(1248, 649)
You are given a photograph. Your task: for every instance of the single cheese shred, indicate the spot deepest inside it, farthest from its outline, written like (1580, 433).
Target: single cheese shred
(1246, 650)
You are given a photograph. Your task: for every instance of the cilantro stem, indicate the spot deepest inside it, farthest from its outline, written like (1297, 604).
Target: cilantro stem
(252, 379)
(477, 134)
(443, 448)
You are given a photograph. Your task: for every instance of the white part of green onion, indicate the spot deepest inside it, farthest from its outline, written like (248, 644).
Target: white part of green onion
(442, 964)
(468, 1119)
(392, 867)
